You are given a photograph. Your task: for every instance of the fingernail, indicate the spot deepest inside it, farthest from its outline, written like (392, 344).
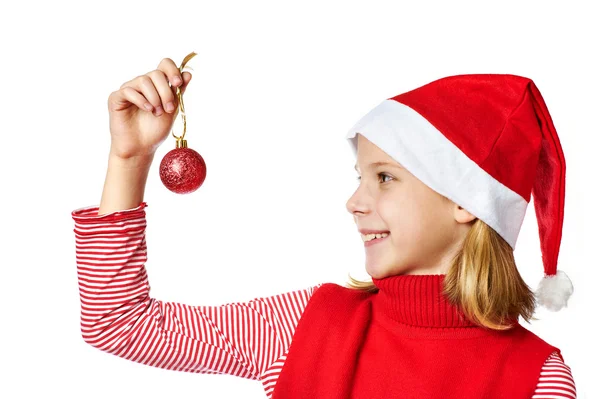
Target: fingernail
(158, 110)
(148, 106)
(170, 106)
(176, 80)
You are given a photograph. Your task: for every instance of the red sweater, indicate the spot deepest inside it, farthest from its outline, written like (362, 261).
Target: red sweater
(406, 341)
(246, 339)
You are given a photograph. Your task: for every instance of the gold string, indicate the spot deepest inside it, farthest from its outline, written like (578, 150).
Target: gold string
(180, 141)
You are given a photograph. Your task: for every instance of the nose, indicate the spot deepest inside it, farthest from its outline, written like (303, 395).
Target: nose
(356, 202)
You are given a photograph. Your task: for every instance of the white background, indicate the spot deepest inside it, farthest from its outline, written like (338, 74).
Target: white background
(276, 86)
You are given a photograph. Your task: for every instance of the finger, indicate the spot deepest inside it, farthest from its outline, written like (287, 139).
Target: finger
(145, 85)
(126, 96)
(171, 71)
(167, 97)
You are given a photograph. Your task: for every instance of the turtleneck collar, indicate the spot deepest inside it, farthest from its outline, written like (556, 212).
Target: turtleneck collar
(417, 301)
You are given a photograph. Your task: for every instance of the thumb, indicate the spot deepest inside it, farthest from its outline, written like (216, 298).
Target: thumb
(186, 80)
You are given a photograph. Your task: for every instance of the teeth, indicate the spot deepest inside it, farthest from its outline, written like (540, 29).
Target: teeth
(369, 237)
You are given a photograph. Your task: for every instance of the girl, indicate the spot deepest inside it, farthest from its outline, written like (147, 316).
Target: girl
(446, 171)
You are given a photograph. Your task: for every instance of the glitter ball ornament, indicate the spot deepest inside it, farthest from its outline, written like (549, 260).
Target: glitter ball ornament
(182, 170)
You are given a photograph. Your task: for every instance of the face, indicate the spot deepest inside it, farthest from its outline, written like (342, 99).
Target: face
(425, 228)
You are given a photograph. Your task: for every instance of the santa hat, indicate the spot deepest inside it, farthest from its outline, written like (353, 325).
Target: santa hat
(486, 142)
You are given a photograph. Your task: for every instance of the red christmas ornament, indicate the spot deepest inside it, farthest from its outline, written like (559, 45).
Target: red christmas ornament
(182, 170)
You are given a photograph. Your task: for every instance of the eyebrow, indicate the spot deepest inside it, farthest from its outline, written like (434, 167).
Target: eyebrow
(381, 163)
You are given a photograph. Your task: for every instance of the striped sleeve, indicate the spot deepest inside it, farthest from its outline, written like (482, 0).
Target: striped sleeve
(118, 316)
(556, 380)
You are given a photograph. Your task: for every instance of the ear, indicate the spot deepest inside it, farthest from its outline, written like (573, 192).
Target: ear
(461, 215)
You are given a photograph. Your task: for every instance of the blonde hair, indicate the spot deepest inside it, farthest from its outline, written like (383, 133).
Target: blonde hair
(483, 281)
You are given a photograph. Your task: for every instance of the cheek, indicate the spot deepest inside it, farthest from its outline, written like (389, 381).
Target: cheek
(404, 218)
(412, 220)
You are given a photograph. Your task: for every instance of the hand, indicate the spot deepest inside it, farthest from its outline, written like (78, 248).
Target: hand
(137, 131)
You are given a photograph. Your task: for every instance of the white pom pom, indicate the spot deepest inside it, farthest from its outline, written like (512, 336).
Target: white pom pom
(553, 292)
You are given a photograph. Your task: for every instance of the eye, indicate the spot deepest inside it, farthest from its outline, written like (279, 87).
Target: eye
(379, 174)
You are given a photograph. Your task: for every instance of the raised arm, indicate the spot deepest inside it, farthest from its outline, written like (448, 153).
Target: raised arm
(118, 315)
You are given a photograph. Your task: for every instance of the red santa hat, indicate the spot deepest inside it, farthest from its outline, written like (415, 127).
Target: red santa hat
(486, 142)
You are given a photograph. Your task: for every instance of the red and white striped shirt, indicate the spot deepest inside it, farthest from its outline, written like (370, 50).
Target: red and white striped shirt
(246, 339)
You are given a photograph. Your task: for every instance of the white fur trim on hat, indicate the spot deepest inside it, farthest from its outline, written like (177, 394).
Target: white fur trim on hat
(554, 291)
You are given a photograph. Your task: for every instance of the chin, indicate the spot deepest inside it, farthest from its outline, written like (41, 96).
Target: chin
(379, 273)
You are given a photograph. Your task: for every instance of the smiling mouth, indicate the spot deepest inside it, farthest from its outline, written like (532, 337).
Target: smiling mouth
(375, 241)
